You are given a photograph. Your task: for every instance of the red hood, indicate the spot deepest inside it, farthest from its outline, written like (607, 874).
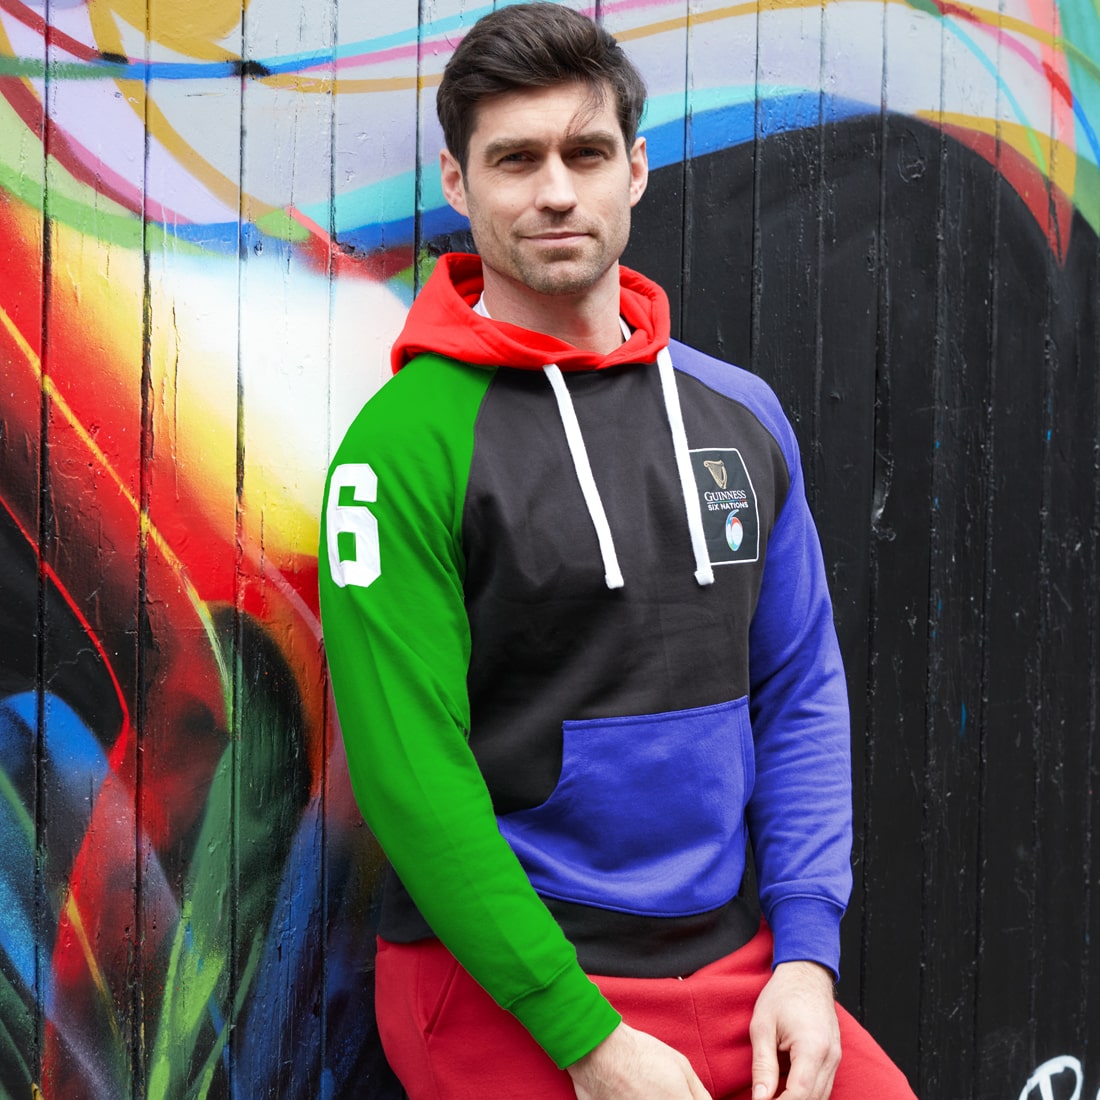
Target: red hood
(442, 321)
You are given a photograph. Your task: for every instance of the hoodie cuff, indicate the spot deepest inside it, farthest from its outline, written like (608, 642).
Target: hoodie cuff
(806, 929)
(568, 1017)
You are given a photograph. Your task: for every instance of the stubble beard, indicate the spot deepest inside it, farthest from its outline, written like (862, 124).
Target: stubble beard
(571, 268)
(569, 273)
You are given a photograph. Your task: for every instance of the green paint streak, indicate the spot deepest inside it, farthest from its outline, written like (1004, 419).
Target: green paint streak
(101, 219)
(1086, 196)
(425, 264)
(280, 225)
(12, 797)
(36, 183)
(206, 1079)
(81, 208)
(197, 969)
(16, 1039)
(1081, 25)
(38, 68)
(195, 974)
(926, 6)
(256, 798)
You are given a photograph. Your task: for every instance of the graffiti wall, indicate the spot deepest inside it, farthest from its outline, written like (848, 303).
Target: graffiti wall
(213, 217)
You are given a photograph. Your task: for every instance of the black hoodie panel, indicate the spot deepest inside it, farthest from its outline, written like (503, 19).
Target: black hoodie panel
(550, 641)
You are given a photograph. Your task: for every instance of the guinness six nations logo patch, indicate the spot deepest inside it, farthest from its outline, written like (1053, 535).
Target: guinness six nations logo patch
(727, 500)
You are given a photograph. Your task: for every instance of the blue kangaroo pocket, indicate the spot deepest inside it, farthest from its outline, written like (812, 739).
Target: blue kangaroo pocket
(648, 814)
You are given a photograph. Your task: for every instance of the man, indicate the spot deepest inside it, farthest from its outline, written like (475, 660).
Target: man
(581, 644)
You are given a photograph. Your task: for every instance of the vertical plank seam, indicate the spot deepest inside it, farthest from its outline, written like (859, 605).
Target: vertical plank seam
(819, 320)
(234, 688)
(1045, 717)
(418, 154)
(757, 263)
(325, 716)
(687, 176)
(879, 493)
(931, 797)
(41, 917)
(145, 451)
(986, 671)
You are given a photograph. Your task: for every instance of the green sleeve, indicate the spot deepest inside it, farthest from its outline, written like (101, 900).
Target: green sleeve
(398, 646)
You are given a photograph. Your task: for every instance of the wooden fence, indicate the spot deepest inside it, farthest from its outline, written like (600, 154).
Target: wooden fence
(212, 221)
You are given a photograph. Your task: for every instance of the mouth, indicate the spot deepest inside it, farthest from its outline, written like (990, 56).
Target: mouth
(557, 237)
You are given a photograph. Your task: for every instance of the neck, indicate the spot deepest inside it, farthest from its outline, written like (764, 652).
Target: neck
(588, 319)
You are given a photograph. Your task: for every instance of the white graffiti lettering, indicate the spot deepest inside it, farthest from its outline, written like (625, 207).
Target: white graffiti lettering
(1040, 1085)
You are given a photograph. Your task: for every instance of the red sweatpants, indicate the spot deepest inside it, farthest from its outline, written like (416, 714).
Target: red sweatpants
(446, 1038)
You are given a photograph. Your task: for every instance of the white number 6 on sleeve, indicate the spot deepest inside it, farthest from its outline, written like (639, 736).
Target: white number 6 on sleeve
(356, 519)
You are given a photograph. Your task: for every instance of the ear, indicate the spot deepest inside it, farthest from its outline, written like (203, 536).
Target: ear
(450, 175)
(639, 170)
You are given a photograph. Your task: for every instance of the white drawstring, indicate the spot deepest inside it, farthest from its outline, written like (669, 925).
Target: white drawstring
(613, 577)
(704, 573)
(612, 573)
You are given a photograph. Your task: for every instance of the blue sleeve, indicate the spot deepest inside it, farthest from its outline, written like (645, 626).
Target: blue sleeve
(800, 813)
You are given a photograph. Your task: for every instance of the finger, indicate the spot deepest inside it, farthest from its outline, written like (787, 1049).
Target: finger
(829, 1074)
(811, 1074)
(827, 1091)
(801, 1081)
(765, 1070)
(698, 1089)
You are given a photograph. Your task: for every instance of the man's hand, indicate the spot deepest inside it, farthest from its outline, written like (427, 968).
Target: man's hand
(632, 1065)
(796, 1014)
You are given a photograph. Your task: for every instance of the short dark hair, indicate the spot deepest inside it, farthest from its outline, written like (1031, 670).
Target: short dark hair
(534, 45)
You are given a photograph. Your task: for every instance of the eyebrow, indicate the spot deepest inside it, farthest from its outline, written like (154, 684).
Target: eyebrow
(505, 145)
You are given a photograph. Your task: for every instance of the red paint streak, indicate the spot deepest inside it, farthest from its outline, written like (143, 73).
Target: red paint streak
(946, 9)
(67, 598)
(1048, 204)
(1059, 84)
(72, 156)
(325, 254)
(1055, 80)
(52, 36)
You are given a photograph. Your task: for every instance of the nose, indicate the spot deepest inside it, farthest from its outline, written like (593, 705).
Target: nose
(555, 190)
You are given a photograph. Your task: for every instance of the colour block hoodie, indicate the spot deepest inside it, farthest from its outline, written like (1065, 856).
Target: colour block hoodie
(582, 651)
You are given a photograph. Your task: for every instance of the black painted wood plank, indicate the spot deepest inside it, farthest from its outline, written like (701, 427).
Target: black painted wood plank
(901, 517)
(961, 380)
(1089, 961)
(1014, 656)
(717, 257)
(843, 459)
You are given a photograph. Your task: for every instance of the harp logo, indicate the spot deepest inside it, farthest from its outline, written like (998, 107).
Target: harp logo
(717, 470)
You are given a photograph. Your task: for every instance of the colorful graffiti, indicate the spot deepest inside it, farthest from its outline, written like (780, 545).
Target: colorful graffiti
(212, 219)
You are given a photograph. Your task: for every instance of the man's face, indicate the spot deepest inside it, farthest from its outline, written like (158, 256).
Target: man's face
(548, 188)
